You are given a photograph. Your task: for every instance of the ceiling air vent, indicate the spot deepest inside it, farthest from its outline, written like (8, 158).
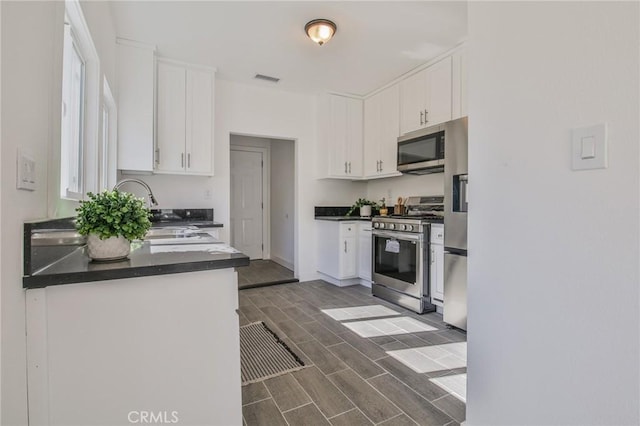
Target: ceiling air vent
(266, 78)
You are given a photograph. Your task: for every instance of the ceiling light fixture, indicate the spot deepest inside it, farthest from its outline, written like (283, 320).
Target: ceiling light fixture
(320, 30)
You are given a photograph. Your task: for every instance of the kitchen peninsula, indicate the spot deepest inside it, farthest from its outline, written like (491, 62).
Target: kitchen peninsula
(153, 335)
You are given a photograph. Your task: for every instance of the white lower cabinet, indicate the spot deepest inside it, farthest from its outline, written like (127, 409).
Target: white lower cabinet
(344, 251)
(338, 254)
(437, 264)
(99, 353)
(364, 251)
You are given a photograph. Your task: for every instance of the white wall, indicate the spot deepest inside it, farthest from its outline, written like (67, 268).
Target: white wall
(282, 201)
(27, 89)
(31, 98)
(404, 186)
(553, 254)
(275, 114)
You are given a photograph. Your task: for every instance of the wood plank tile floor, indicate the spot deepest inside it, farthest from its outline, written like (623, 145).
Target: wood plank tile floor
(349, 380)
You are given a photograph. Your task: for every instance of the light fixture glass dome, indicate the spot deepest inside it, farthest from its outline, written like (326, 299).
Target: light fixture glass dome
(320, 30)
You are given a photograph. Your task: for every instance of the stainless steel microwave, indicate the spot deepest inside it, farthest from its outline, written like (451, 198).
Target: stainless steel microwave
(422, 152)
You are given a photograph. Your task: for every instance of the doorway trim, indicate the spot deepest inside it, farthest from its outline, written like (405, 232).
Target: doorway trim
(266, 196)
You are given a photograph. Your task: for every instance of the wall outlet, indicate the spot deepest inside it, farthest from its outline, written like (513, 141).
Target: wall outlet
(26, 172)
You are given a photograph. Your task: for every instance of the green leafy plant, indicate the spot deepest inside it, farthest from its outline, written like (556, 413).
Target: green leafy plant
(112, 214)
(361, 202)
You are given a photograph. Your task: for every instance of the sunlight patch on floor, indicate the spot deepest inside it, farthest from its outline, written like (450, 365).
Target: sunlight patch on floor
(428, 359)
(357, 312)
(387, 327)
(455, 384)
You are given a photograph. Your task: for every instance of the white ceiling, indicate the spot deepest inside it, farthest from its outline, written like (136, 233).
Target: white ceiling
(375, 41)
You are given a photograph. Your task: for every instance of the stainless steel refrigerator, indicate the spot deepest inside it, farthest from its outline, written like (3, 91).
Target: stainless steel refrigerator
(455, 222)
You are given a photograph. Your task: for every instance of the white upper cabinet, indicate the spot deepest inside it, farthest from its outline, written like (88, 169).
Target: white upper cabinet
(459, 89)
(136, 83)
(425, 97)
(184, 119)
(341, 118)
(381, 131)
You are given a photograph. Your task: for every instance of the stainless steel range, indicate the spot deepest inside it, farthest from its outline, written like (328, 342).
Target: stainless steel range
(401, 253)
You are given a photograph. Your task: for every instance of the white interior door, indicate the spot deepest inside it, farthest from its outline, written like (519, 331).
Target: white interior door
(246, 202)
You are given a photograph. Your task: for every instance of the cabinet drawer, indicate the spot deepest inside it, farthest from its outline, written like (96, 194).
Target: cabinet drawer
(437, 233)
(348, 229)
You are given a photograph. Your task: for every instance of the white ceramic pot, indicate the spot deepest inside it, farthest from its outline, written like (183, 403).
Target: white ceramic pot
(365, 211)
(112, 248)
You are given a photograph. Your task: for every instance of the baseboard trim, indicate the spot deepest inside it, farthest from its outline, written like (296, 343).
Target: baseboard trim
(339, 283)
(280, 261)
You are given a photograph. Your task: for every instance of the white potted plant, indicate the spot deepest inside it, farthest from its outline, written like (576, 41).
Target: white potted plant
(364, 205)
(111, 220)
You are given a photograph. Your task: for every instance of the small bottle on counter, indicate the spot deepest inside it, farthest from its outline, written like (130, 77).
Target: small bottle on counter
(383, 208)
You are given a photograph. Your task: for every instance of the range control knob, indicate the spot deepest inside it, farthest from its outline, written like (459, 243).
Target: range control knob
(403, 227)
(376, 225)
(382, 226)
(392, 226)
(409, 227)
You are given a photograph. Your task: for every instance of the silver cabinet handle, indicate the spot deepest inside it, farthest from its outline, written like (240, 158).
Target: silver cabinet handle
(157, 155)
(189, 160)
(349, 167)
(345, 167)
(380, 165)
(421, 120)
(345, 246)
(182, 160)
(425, 116)
(433, 257)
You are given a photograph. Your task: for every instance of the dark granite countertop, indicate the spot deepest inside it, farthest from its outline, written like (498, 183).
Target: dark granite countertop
(145, 260)
(201, 218)
(344, 218)
(196, 223)
(64, 260)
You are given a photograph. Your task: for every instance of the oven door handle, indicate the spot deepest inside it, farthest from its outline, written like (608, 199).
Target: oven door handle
(398, 236)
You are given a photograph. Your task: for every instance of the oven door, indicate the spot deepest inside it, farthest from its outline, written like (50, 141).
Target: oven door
(398, 261)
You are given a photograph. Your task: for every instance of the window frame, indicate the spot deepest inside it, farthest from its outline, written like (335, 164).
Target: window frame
(108, 139)
(88, 159)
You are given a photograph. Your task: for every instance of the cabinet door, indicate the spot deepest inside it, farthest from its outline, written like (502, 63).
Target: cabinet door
(459, 84)
(372, 134)
(171, 115)
(437, 277)
(136, 66)
(348, 257)
(337, 136)
(199, 121)
(328, 248)
(389, 130)
(438, 108)
(413, 92)
(354, 137)
(364, 253)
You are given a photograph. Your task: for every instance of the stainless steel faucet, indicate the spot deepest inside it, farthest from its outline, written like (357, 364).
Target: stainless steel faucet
(152, 198)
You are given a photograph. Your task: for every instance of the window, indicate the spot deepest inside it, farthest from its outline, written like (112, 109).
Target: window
(79, 150)
(73, 90)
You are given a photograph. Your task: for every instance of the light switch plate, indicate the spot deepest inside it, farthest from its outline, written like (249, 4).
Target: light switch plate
(26, 172)
(589, 147)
